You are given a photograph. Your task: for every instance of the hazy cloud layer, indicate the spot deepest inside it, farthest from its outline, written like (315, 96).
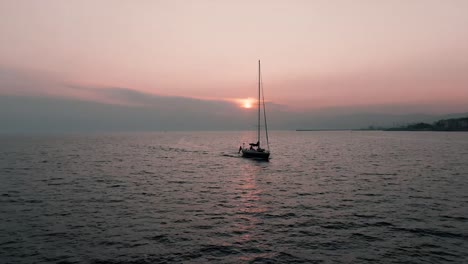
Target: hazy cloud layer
(74, 108)
(49, 114)
(23, 114)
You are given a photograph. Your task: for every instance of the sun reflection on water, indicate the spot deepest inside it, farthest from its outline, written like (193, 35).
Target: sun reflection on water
(250, 211)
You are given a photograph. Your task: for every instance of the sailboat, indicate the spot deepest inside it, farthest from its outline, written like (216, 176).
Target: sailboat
(255, 150)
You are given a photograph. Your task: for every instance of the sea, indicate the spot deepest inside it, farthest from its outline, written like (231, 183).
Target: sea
(188, 197)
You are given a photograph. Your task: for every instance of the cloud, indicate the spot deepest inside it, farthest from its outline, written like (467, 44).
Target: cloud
(53, 114)
(20, 113)
(25, 82)
(26, 105)
(131, 97)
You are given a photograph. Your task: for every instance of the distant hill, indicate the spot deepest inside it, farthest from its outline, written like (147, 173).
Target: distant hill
(366, 121)
(452, 124)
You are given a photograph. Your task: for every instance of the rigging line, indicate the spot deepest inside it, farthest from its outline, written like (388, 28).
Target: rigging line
(264, 112)
(259, 76)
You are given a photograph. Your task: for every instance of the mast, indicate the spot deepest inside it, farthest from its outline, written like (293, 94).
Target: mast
(259, 76)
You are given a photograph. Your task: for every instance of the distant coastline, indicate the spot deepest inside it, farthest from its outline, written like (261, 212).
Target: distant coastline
(452, 124)
(324, 130)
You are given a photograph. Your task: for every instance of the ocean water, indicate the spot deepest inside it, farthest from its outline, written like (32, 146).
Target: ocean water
(187, 197)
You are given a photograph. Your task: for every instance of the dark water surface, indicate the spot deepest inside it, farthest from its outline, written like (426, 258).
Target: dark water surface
(331, 197)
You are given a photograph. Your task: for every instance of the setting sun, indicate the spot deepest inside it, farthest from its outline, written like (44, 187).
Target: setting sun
(247, 103)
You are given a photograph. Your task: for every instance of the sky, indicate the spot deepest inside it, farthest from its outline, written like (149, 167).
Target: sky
(390, 57)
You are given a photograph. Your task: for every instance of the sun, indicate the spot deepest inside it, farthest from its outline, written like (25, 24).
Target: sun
(247, 103)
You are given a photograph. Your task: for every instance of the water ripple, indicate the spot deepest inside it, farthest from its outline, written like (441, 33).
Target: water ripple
(331, 197)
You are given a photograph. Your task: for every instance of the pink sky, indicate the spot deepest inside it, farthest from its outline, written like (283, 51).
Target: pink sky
(314, 53)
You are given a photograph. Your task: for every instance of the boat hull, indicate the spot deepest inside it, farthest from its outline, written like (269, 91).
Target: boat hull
(255, 154)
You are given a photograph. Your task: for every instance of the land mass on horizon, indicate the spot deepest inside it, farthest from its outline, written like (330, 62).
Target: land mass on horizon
(453, 124)
(450, 124)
